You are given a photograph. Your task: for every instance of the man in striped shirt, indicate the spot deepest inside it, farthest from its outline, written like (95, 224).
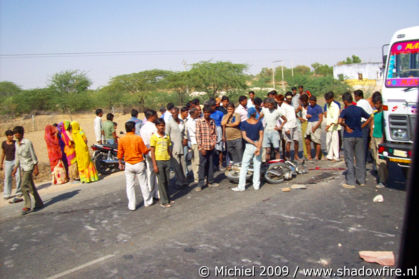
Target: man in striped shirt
(206, 138)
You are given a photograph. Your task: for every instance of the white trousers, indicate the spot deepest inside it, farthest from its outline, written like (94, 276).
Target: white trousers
(151, 178)
(332, 144)
(137, 171)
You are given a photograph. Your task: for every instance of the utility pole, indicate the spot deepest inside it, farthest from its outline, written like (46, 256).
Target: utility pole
(292, 69)
(185, 66)
(273, 76)
(273, 72)
(282, 70)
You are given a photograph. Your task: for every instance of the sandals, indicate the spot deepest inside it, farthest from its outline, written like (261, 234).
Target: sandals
(167, 205)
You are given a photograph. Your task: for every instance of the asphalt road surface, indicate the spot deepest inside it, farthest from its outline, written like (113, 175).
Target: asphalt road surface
(87, 231)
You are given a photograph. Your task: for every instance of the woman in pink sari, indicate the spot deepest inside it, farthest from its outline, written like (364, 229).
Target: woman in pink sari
(58, 172)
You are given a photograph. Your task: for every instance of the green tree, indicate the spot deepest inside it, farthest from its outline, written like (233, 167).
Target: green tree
(322, 69)
(108, 96)
(8, 88)
(140, 84)
(219, 76)
(301, 70)
(69, 85)
(28, 101)
(351, 60)
(263, 79)
(181, 83)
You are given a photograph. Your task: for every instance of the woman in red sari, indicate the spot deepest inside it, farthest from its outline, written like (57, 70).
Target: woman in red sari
(58, 172)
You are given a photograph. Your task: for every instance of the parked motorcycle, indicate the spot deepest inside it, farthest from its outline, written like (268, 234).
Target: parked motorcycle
(105, 158)
(273, 171)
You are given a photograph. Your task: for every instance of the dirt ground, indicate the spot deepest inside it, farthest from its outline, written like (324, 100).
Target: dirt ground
(34, 130)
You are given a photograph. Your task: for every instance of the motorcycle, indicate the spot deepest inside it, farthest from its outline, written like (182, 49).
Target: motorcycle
(274, 171)
(105, 158)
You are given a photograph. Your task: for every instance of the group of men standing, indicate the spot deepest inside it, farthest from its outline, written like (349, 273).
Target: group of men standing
(219, 134)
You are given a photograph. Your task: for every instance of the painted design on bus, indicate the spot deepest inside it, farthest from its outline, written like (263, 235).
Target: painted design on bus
(403, 65)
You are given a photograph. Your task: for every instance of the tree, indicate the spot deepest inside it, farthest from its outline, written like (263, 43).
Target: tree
(140, 84)
(108, 96)
(68, 85)
(263, 79)
(69, 82)
(351, 60)
(180, 82)
(8, 88)
(27, 101)
(302, 70)
(216, 77)
(322, 69)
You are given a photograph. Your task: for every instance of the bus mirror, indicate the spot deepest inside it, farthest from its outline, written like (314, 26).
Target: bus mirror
(384, 59)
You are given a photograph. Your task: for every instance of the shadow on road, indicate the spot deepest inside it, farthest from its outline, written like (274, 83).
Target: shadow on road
(61, 197)
(44, 185)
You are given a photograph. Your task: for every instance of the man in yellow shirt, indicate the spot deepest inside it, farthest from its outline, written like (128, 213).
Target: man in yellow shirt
(160, 155)
(132, 148)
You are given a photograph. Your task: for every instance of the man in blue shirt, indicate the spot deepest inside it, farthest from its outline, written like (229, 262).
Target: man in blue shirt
(217, 116)
(313, 132)
(350, 119)
(138, 122)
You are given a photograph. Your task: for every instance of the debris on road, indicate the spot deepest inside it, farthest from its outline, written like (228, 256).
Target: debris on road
(385, 258)
(298, 186)
(324, 262)
(378, 198)
(89, 228)
(286, 189)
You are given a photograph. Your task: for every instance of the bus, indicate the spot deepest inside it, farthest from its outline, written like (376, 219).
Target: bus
(400, 97)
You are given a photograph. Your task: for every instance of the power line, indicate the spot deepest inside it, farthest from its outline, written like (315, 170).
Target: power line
(169, 52)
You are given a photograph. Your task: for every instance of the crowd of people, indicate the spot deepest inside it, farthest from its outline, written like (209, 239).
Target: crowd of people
(68, 155)
(211, 136)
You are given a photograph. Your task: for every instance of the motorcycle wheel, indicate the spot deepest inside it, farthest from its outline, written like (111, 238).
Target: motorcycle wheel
(275, 173)
(101, 167)
(233, 175)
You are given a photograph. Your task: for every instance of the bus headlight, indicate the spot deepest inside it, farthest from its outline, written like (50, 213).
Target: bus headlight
(399, 134)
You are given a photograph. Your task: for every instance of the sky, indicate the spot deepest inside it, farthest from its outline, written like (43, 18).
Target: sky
(105, 38)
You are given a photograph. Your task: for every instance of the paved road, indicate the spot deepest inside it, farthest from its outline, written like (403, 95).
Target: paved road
(87, 231)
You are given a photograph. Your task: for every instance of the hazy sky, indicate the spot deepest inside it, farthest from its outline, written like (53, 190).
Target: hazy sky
(163, 34)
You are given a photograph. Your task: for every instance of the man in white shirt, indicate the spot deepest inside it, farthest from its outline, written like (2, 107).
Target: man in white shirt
(332, 127)
(271, 135)
(168, 115)
(191, 135)
(251, 100)
(242, 108)
(290, 128)
(295, 99)
(146, 131)
(361, 102)
(98, 126)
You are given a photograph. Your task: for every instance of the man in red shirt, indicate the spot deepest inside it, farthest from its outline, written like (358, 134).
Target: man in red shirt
(132, 148)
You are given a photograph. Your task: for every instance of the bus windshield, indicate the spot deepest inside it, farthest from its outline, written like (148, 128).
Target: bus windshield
(403, 65)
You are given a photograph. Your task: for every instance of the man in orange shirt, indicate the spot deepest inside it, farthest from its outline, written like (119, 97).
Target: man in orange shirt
(132, 148)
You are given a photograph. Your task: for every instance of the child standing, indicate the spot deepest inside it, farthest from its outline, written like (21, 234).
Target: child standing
(160, 155)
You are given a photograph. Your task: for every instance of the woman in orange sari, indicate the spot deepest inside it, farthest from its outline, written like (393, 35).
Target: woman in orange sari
(58, 172)
(87, 170)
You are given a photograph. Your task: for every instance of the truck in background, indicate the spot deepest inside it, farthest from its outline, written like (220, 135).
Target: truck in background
(400, 97)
